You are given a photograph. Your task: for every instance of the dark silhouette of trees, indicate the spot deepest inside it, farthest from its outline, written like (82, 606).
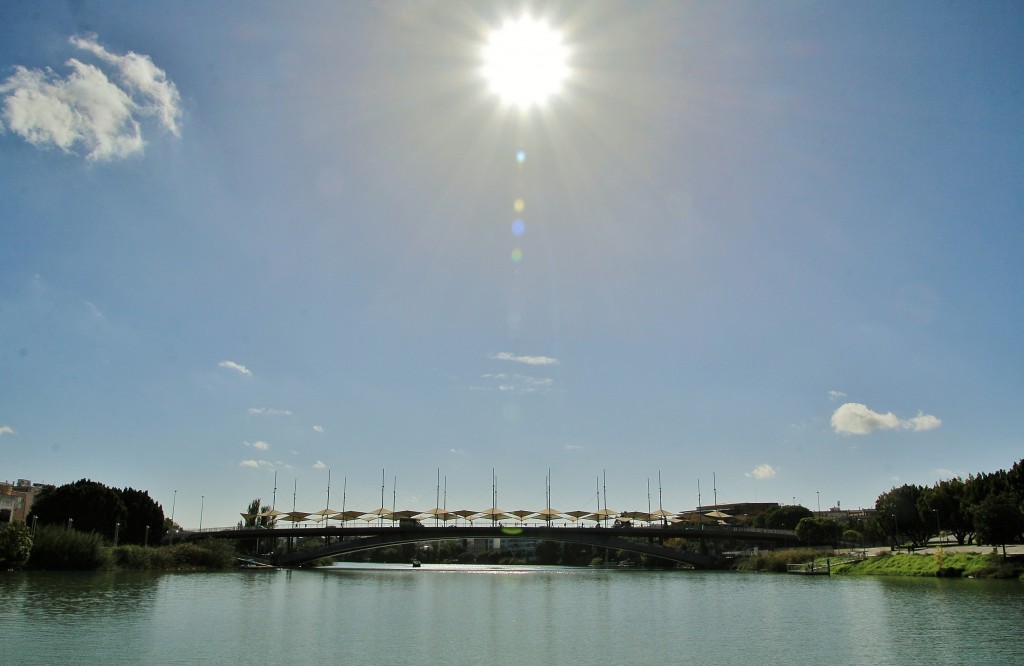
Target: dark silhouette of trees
(998, 520)
(784, 517)
(142, 510)
(987, 507)
(88, 505)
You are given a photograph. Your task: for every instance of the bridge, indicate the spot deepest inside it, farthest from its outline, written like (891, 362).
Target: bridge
(640, 540)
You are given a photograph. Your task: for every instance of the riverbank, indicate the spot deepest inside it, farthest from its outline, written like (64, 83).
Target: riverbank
(936, 562)
(952, 562)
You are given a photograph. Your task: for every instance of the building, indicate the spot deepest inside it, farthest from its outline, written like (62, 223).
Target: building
(16, 500)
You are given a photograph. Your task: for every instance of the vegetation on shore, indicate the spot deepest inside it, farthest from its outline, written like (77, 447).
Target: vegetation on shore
(58, 549)
(941, 564)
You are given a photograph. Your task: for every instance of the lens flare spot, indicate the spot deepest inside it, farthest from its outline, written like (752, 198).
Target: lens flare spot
(519, 205)
(517, 256)
(520, 157)
(518, 227)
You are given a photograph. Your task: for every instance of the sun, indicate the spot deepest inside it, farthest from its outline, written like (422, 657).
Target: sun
(525, 62)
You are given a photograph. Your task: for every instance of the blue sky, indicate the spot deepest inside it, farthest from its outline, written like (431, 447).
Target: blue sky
(777, 245)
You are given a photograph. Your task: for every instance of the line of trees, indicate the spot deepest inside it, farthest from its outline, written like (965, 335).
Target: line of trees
(986, 508)
(90, 506)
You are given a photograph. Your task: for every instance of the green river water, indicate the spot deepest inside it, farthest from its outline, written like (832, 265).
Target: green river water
(505, 615)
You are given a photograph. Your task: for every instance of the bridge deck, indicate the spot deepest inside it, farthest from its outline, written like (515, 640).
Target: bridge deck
(635, 539)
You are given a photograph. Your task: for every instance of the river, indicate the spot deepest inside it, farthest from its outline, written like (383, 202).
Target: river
(505, 615)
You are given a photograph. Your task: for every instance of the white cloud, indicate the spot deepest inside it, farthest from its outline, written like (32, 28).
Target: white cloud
(764, 471)
(257, 464)
(86, 111)
(264, 464)
(853, 418)
(237, 367)
(923, 422)
(259, 445)
(319, 464)
(528, 360)
(269, 411)
(574, 447)
(515, 383)
(6, 430)
(835, 395)
(318, 428)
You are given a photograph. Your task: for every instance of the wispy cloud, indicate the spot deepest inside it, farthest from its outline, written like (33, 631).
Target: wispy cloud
(86, 111)
(6, 430)
(764, 471)
(835, 395)
(237, 367)
(514, 383)
(263, 464)
(269, 411)
(319, 464)
(574, 447)
(259, 445)
(853, 418)
(318, 428)
(527, 360)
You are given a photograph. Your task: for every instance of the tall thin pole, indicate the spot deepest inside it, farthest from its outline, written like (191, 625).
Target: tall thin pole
(604, 485)
(437, 495)
(380, 516)
(394, 494)
(344, 496)
(700, 516)
(327, 516)
(202, 505)
(295, 492)
(714, 486)
(660, 507)
(174, 502)
(648, 497)
(273, 502)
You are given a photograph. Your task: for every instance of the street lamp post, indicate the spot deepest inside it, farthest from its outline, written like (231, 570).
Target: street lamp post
(117, 530)
(145, 540)
(202, 505)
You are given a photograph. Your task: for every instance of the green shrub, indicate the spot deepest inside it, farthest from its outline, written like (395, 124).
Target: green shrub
(777, 560)
(207, 554)
(56, 548)
(138, 557)
(15, 545)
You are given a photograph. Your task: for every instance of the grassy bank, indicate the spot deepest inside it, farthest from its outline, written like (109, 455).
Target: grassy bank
(59, 549)
(953, 565)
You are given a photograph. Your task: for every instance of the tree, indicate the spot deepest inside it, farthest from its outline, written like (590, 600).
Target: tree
(897, 509)
(998, 520)
(817, 531)
(142, 511)
(91, 506)
(945, 502)
(786, 517)
(15, 545)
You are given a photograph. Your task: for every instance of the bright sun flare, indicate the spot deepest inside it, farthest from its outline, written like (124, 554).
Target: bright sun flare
(525, 62)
